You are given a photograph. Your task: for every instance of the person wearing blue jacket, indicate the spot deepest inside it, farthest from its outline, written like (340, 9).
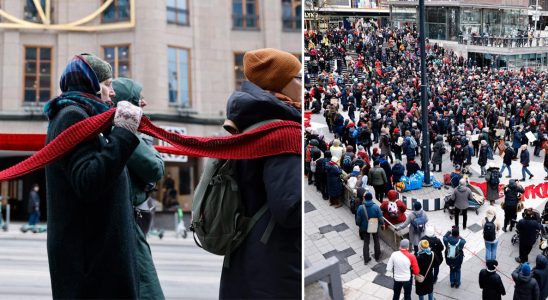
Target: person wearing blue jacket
(373, 211)
(516, 143)
(398, 170)
(454, 255)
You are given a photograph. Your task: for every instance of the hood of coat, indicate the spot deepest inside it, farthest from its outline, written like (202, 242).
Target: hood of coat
(490, 213)
(128, 90)
(524, 278)
(252, 105)
(462, 188)
(542, 262)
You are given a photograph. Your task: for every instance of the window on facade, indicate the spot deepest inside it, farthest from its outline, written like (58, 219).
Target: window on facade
(118, 11)
(291, 15)
(37, 74)
(239, 69)
(31, 12)
(245, 14)
(179, 77)
(177, 12)
(436, 23)
(118, 57)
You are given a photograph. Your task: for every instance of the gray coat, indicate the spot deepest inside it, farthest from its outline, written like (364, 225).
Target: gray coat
(377, 176)
(414, 237)
(461, 195)
(437, 155)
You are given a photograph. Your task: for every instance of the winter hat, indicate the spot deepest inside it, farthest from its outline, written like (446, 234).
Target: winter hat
(361, 191)
(417, 206)
(455, 231)
(360, 148)
(424, 244)
(368, 197)
(392, 195)
(102, 69)
(457, 167)
(356, 169)
(376, 163)
(404, 244)
(429, 231)
(271, 69)
(128, 90)
(492, 265)
(525, 269)
(314, 142)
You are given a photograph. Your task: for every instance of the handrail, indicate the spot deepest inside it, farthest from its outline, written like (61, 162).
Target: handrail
(327, 269)
(500, 41)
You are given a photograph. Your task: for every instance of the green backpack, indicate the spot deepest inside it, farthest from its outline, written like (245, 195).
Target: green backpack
(218, 213)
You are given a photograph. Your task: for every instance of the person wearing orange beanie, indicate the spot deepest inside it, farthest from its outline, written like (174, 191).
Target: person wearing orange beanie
(272, 91)
(394, 209)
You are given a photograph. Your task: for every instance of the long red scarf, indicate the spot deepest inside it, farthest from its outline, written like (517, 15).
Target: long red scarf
(282, 137)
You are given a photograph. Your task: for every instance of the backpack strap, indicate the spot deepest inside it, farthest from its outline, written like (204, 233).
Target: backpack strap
(248, 228)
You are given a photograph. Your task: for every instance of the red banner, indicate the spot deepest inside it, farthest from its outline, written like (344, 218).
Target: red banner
(532, 191)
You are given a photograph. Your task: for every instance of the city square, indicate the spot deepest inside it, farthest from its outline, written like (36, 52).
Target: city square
(363, 87)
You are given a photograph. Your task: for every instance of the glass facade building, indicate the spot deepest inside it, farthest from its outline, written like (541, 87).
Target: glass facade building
(448, 23)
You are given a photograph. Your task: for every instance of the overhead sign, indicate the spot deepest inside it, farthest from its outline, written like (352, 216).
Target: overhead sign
(45, 22)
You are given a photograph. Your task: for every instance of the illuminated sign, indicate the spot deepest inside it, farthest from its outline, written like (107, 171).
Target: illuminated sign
(44, 14)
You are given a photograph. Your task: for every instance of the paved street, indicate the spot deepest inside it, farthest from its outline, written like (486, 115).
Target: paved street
(185, 271)
(332, 232)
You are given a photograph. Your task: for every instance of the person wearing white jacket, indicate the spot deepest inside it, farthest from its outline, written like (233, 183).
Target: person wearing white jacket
(400, 265)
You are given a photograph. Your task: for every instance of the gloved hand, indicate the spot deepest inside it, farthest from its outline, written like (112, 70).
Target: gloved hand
(127, 116)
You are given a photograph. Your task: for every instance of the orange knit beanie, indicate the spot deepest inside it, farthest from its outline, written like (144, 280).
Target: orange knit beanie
(270, 69)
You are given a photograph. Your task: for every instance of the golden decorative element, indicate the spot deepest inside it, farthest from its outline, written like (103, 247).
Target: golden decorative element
(45, 17)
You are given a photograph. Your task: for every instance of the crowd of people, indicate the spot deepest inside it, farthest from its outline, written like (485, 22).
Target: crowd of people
(372, 74)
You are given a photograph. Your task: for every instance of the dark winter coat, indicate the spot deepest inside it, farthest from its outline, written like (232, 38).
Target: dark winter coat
(524, 158)
(491, 285)
(482, 159)
(437, 153)
(436, 245)
(92, 178)
(398, 170)
(528, 231)
(412, 167)
(511, 192)
(427, 286)
(334, 183)
(34, 201)
(457, 261)
(91, 228)
(540, 273)
(492, 190)
(508, 154)
(526, 286)
(271, 270)
(377, 177)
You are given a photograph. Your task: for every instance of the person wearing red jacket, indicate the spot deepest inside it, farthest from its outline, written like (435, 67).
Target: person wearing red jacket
(394, 217)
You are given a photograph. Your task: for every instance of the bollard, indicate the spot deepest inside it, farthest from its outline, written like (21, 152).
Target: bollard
(7, 217)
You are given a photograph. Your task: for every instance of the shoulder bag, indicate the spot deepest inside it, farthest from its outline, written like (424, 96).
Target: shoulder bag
(420, 278)
(372, 223)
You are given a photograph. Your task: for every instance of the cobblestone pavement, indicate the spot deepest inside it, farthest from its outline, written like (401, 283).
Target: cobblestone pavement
(332, 232)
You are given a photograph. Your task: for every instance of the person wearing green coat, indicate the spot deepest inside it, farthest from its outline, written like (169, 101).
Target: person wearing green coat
(145, 167)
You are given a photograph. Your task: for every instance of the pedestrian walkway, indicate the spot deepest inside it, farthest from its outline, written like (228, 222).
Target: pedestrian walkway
(333, 232)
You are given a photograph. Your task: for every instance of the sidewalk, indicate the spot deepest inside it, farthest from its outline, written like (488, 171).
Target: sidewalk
(332, 232)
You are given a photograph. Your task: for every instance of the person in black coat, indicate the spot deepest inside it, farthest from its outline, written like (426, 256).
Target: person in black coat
(426, 260)
(524, 160)
(436, 245)
(321, 174)
(482, 158)
(412, 167)
(91, 228)
(34, 205)
(490, 282)
(270, 269)
(526, 286)
(334, 183)
(528, 227)
(540, 273)
(511, 199)
(507, 160)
